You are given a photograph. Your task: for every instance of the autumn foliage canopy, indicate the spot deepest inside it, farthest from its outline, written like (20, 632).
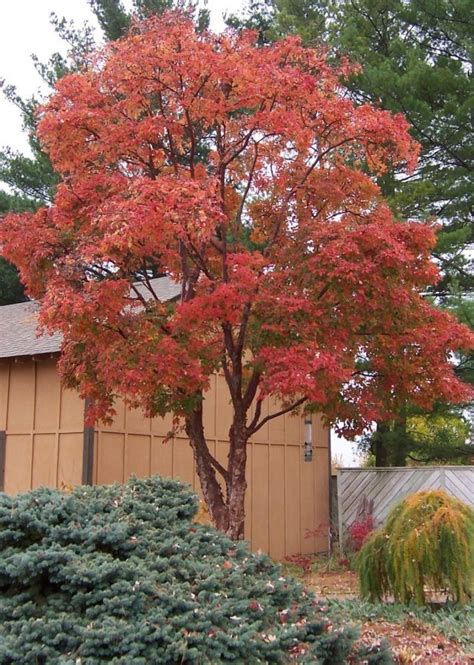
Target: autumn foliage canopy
(247, 175)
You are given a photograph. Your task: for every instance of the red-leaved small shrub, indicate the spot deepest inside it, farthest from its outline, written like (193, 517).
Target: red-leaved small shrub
(303, 561)
(359, 530)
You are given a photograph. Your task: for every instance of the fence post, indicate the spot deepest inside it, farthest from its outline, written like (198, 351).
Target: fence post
(339, 507)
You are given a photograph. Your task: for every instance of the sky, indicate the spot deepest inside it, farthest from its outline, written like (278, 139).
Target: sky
(25, 29)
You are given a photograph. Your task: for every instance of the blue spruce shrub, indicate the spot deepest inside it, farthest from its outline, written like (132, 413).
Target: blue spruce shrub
(121, 574)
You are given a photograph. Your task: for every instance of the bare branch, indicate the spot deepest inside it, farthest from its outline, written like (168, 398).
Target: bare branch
(271, 416)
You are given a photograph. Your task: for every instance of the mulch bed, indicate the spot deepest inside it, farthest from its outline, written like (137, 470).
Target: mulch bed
(415, 642)
(411, 641)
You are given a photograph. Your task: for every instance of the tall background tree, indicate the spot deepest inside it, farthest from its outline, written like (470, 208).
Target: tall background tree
(28, 181)
(416, 58)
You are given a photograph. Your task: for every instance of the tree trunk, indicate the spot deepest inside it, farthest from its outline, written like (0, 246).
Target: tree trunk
(381, 444)
(237, 484)
(402, 440)
(227, 514)
(206, 471)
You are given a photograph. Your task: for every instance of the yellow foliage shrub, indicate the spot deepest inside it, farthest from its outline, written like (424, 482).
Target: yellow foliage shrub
(427, 543)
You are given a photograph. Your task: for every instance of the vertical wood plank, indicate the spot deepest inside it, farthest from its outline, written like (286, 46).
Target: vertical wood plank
(18, 463)
(137, 456)
(45, 456)
(3, 445)
(4, 393)
(292, 504)
(110, 458)
(21, 397)
(260, 498)
(70, 459)
(277, 501)
(161, 457)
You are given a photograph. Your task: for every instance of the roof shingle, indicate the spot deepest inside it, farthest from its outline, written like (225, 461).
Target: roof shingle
(18, 323)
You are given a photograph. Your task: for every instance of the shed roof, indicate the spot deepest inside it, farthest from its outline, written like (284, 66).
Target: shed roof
(18, 323)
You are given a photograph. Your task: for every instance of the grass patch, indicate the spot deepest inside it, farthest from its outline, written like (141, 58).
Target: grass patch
(453, 622)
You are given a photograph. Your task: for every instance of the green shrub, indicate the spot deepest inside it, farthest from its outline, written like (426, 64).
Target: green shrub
(122, 574)
(427, 542)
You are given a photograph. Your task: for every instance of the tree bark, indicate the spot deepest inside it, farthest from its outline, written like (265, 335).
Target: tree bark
(381, 447)
(206, 471)
(402, 447)
(227, 513)
(237, 484)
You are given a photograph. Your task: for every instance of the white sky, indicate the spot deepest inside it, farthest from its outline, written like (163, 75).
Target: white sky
(24, 30)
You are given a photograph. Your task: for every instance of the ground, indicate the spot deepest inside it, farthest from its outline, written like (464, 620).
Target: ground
(439, 637)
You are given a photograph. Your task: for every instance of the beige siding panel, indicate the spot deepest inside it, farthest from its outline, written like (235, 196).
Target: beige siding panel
(277, 501)
(110, 458)
(292, 504)
(183, 464)
(276, 427)
(162, 426)
(22, 397)
(119, 418)
(72, 410)
(249, 494)
(223, 409)
(209, 411)
(260, 496)
(4, 391)
(136, 421)
(70, 459)
(18, 463)
(137, 455)
(48, 391)
(294, 430)
(45, 460)
(320, 433)
(161, 457)
(321, 497)
(308, 523)
(321, 486)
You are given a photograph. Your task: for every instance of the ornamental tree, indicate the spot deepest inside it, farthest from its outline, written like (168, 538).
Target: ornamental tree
(248, 176)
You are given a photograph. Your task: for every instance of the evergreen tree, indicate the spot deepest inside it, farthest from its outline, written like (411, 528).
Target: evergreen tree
(28, 181)
(416, 59)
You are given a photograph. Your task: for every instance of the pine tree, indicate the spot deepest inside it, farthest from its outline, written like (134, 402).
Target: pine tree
(416, 59)
(29, 181)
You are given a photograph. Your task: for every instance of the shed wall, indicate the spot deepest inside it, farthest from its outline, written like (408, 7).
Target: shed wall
(44, 424)
(286, 496)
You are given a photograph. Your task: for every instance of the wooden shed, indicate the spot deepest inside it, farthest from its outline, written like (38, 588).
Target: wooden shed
(44, 442)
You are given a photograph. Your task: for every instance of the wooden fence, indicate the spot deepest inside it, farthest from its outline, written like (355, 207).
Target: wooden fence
(385, 487)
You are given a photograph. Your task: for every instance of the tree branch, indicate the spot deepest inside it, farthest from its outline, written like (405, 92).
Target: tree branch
(271, 416)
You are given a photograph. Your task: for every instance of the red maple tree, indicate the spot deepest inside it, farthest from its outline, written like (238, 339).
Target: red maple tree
(248, 176)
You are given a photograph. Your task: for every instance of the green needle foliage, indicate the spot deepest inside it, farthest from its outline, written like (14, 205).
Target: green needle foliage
(416, 58)
(122, 574)
(28, 181)
(427, 542)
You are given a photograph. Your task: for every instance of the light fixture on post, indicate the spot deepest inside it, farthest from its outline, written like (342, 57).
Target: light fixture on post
(308, 438)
